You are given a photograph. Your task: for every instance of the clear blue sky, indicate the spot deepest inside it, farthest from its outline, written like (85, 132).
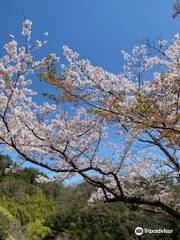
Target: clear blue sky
(97, 29)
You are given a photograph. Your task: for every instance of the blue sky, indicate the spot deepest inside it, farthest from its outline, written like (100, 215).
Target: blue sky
(97, 29)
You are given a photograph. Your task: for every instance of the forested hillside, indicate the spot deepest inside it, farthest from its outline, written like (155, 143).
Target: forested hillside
(48, 210)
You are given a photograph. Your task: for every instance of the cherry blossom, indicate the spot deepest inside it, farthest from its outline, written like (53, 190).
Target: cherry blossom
(119, 132)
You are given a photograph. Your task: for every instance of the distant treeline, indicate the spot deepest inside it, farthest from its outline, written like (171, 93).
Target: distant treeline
(30, 210)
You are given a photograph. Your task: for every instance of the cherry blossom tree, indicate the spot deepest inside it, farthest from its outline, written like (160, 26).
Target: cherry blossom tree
(119, 132)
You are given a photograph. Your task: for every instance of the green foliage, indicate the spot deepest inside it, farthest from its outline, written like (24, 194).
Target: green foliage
(29, 211)
(80, 221)
(15, 187)
(30, 208)
(32, 211)
(26, 201)
(10, 228)
(96, 223)
(37, 230)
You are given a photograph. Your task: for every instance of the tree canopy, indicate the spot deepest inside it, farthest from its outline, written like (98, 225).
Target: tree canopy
(120, 132)
(30, 210)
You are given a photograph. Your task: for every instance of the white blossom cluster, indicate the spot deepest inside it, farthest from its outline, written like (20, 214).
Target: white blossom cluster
(42, 179)
(143, 107)
(26, 29)
(121, 97)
